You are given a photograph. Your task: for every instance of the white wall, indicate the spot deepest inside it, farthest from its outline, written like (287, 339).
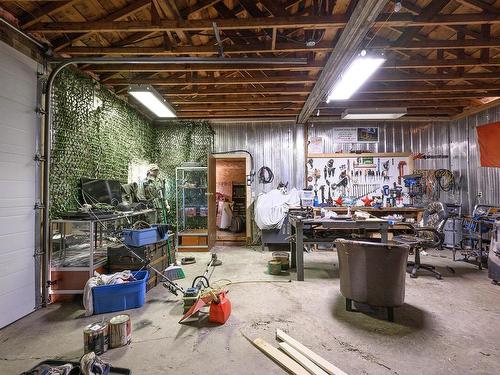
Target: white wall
(18, 84)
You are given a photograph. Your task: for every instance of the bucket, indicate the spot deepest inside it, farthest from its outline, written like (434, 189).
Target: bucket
(95, 338)
(283, 258)
(120, 331)
(274, 267)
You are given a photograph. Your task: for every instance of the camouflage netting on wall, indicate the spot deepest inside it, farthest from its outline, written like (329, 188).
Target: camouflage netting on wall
(179, 142)
(95, 135)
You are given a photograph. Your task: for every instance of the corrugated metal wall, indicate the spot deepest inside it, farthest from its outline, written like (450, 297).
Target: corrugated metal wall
(279, 146)
(465, 159)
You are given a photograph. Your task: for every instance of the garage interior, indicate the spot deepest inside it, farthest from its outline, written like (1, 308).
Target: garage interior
(250, 187)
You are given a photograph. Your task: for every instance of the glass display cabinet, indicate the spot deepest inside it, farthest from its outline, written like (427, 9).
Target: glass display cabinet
(191, 208)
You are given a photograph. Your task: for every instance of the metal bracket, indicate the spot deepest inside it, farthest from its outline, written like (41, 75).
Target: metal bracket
(38, 205)
(50, 283)
(40, 111)
(38, 253)
(38, 157)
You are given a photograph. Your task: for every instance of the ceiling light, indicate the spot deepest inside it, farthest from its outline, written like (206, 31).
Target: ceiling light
(353, 78)
(373, 113)
(152, 100)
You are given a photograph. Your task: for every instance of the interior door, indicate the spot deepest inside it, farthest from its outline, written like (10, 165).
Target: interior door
(212, 204)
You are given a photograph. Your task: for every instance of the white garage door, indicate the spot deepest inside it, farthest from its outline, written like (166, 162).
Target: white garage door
(18, 84)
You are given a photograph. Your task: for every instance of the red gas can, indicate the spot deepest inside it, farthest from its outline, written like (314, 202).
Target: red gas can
(220, 311)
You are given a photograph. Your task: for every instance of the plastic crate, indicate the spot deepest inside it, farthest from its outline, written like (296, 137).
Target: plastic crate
(119, 297)
(139, 237)
(142, 237)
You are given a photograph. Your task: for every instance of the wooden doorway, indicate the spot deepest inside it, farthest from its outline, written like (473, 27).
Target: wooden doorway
(232, 199)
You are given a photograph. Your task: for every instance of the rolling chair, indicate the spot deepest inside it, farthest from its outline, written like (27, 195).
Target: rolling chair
(429, 236)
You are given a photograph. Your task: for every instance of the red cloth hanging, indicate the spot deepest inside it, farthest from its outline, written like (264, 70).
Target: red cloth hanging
(488, 138)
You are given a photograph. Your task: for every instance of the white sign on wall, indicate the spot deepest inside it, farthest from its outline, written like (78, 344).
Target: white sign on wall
(355, 135)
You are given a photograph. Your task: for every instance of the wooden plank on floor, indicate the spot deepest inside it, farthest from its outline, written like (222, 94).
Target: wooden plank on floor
(320, 361)
(302, 359)
(279, 357)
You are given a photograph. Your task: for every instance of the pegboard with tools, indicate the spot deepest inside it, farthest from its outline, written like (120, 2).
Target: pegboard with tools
(357, 176)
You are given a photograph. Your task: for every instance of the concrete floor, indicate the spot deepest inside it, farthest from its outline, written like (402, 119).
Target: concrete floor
(445, 327)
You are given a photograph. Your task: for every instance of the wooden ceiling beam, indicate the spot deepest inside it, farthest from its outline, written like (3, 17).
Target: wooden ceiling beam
(278, 47)
(115, 16)
(402, 103)
(313, 66)
(315, 22)
(439, 63)
(198, 7)
(401, 77)
(427, 88)
(480, 5)
(419, 96)
(200, 50)
(427, 13)
(196, 107)
(239, 99)
(285, 90)
(410, 111)
(36, 15)
(290, 80)
(274, 7)
(217, 114)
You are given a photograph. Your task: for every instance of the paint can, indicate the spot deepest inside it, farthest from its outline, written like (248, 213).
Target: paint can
(95, 338)
(283, 258)
(274, 267)
(120, 331)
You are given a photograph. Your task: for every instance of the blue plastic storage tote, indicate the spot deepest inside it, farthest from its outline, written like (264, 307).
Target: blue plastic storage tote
(119, 297)
(142, 237)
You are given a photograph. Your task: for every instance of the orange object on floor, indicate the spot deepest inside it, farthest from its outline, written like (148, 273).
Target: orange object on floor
(220, 311)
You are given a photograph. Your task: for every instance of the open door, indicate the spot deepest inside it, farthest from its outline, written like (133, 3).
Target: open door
(212, 204)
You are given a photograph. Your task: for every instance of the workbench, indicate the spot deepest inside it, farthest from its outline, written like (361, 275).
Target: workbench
(414, 213)
(299, 224)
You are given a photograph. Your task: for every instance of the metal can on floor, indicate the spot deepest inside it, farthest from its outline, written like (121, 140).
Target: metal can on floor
(95, 338)
(274, 267)
(120, 331)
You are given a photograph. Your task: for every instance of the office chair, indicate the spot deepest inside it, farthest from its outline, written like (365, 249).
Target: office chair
(429, 236)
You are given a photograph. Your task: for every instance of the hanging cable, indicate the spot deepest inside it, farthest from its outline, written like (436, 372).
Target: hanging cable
(445, 179)
(266, 175)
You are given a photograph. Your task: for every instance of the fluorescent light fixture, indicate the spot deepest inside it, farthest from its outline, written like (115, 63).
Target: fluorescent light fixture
(373, 113)
(353, 78)
(152, 100)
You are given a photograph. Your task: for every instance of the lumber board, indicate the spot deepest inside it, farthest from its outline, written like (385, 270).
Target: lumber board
(302, 359)
(279, 357)
(320, 361)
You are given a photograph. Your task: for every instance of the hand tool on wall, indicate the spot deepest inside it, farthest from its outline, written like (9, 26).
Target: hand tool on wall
(310, 162)
(325, 172)
(322, 188)
(331, 169)
(329, 200)
(401, 169)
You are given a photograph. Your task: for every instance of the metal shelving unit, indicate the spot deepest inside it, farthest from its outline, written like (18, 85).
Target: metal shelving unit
(78, 247)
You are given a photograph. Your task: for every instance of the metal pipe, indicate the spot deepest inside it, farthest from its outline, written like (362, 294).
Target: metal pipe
(22, 33)
(112, 60)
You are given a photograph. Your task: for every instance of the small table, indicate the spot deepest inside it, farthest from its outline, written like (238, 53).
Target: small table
(298, 223)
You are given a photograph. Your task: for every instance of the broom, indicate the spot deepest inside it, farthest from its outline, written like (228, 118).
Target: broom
(172, 272)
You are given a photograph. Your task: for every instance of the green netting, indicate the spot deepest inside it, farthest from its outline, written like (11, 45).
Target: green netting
(95, 135)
